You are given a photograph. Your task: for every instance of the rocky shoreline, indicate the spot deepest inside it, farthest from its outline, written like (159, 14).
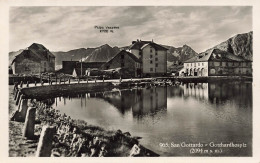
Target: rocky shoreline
(73, 138)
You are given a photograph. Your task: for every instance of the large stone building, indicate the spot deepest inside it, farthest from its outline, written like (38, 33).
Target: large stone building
(129, 64)
(153, 57)
(34, 60)
(217, 63)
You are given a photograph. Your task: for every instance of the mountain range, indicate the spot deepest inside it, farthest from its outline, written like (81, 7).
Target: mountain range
(240, 45)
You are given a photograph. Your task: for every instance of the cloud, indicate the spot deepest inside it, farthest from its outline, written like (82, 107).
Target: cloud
(66, 28)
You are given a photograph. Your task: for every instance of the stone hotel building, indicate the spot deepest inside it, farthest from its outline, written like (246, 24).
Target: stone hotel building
(217, 63)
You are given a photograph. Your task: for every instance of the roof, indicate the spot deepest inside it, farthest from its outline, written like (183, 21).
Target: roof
(39, 48)
(141, 44)
(219, 55)
(35, 52)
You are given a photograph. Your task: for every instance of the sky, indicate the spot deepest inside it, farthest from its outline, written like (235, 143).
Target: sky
(67, 28)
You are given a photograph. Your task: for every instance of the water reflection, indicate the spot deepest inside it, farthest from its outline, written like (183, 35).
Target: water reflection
(140, 101)
(191, 112)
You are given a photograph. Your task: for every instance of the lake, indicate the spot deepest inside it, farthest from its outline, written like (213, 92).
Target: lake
(173, 119)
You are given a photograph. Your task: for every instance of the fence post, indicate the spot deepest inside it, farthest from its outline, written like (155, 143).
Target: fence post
(18, 98)
(45, 142)
(23, 109)
(56, 80)
(21, 84)
(28, 130)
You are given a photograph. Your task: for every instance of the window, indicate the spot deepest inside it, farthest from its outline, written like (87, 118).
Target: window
(151, 62)
(156, 53)
(156, 65)
(220, 63)
(151, 50)
(151, 56)
(151, 69)
(198, 64)
(202, 64)
(156, 59)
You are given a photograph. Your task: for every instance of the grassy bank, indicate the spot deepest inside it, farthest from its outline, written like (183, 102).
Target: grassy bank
(74, 138)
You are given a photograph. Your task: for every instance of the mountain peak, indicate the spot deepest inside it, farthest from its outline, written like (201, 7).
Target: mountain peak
(105, 46)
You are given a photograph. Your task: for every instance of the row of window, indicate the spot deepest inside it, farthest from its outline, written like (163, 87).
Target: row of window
(220, 64)
(202, 64)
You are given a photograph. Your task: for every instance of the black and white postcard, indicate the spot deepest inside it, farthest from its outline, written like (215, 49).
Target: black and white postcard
(170, 80)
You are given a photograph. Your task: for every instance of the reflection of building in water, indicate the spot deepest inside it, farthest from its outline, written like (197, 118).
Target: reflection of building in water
(220, 92)
(241, 93)
(151, 100)
(140, 101)
(197, 90)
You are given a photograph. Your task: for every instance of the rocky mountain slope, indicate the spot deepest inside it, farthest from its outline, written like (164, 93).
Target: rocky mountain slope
(240, 45)
(179, 54)
(72, 55)
(102, 54)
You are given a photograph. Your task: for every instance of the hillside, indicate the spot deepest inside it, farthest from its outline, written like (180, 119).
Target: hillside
(240, 45)
(102, 54)
(179, 54)
(72, 55)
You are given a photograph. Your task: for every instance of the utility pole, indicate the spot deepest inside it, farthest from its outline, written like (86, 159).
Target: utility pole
(81, 66)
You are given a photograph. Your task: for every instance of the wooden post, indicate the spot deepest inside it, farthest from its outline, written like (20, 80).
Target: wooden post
(18, 98)
(23, 109)
(56, 80)
(16, 93)
(40, 78)
(79, 80)
(28, 130)
(87, 80)
(95, 80)
(103, 79)
(35, 83)
(45, 142)
(21, 84)
(69, 80)
(27, 84)
(60, 81)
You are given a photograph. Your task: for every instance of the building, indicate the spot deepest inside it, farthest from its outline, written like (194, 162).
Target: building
(153, 57)
(77, 68)
(217, 63)
(130, 65)
(34, 60)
